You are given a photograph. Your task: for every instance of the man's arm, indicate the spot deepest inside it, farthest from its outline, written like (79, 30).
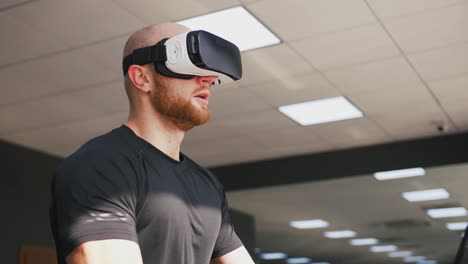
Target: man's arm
(115, 251)
(238, 256)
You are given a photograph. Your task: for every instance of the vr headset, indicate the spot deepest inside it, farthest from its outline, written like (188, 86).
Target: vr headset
(194, 53)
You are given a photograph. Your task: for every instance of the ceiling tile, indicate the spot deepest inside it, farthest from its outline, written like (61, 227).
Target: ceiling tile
(294, 90)
(441, 63)
(24, 81)
(395, 111)
(225, 151)
(62, 139)
(380, 75)
(308, 146)
(57, 73)
(73, 69)
(78, 22)
(105, 98)
(256, 122)
(108, 53)
(420, 126)
(350, 133)
(453, 96)
(153, 12)
(433, 29)
(347, 47)
(274, 62)
(225, 103)
(48, 111)
(451, 90)
(412, 123)
(227, 158)
(21, 41)
(388, 9)
(7, 4)
(296, 19)
(458, 113)
(388, 100)
(290, 140)
(213, 130)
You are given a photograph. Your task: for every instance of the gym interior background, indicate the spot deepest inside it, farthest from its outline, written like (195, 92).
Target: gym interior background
(402, 65)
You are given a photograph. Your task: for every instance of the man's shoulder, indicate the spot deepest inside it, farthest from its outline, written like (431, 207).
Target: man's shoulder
(106, 148)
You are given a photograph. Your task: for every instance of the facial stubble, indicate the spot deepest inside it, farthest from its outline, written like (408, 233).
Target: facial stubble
(180, 109)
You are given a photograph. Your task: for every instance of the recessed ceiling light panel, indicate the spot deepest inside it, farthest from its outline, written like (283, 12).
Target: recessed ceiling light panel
(457, 226)
(340, 234)
(273, 255)
(364, 241)
(383, 248)
(426, 195)
(400, 254)
(309, 224)
(414, 259)
(397, 174)
(298, 260)
(447, 212)
(321, 111)
(236, 25)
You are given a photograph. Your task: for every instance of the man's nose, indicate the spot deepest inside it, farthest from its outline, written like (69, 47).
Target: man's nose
(210, 80)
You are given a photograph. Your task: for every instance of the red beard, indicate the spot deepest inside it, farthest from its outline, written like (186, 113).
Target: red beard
(179, 107)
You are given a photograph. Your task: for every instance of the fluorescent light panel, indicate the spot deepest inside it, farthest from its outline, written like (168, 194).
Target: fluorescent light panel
(340, 234)
(309, 224)
(447, 212)
(273, 255)
(364, 241)
(400, 254)
(397, 174)
(321, 111)
(456, 226)
(414, 259)
(236, 25)
(426, 195)
(384, 248)
(298, 260)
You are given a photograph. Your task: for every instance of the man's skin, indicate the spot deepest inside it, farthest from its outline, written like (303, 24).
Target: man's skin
(162, 109)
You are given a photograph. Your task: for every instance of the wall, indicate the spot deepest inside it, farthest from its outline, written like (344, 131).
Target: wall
(24, 199)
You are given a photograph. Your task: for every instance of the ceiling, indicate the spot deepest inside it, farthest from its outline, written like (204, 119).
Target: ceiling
(403, 63)
(369, 207)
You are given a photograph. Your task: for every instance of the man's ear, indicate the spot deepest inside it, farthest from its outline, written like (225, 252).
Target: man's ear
(140, 77)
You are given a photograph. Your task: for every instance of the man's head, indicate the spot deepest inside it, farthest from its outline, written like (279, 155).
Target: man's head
(184, 102)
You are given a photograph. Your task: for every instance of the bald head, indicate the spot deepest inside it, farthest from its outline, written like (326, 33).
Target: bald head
(145, 37)
(151, 35)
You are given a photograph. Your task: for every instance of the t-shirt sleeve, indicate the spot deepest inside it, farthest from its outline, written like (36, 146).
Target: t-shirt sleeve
(93, 201)
(227, 240)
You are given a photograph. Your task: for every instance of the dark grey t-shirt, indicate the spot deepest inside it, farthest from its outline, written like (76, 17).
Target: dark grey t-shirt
(118, 186)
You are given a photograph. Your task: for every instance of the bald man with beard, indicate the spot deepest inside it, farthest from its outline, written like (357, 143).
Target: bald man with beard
(130, 195)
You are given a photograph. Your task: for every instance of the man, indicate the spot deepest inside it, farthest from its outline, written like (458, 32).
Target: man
(130, 196)
(462, 253)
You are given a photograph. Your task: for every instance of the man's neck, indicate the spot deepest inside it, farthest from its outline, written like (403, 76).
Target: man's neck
(159, 132)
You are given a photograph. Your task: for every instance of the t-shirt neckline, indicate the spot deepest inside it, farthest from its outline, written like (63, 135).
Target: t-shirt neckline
(150, 146)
